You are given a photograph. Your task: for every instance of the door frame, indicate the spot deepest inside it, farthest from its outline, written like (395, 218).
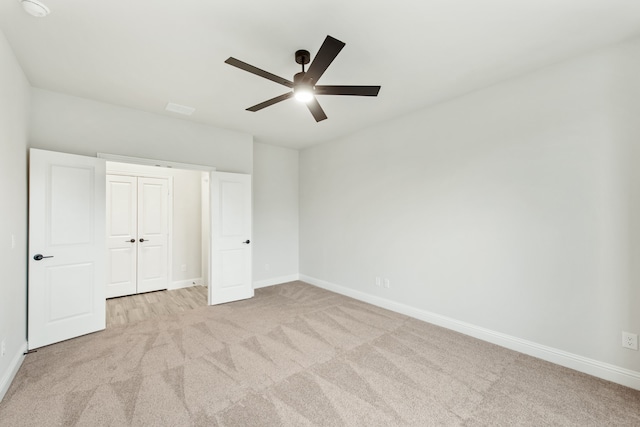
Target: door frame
(206, 268)
(153, 162)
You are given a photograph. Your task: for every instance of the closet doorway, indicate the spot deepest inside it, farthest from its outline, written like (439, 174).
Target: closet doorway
(137, 234)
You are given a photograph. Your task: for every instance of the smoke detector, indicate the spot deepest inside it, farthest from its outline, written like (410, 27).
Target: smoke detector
(35, 8)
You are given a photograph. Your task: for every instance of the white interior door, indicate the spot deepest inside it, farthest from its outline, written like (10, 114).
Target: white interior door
(122, 242)
(230, 237)
(152, 243)
(66, 289)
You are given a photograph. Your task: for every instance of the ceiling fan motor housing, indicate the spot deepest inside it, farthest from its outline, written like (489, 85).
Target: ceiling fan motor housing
(298, 78)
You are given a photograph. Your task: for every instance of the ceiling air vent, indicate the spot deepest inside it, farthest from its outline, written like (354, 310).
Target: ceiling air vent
(180, 109)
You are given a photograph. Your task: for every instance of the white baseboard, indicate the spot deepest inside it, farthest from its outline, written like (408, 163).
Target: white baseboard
(579, 363)
(16, 362)
(186, 283)
(275, 281)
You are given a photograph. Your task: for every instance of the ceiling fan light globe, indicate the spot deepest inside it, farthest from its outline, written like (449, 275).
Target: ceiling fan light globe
(303, 95)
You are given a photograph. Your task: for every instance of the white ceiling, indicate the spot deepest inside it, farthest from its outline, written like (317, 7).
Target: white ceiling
(145, 53)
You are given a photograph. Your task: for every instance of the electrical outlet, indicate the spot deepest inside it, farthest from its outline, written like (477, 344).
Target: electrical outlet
(183, 267)
(387, 283)
(630, 340)
(3, 349)
(378, 282)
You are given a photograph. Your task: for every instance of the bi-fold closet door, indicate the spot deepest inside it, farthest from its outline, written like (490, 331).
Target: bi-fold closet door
(137, 234)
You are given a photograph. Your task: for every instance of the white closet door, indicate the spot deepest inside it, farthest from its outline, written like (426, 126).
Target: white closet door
(230, 237)
(152, 234)
(66, 246)
(122, 201)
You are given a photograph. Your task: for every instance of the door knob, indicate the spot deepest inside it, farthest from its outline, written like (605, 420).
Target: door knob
(38, 257)
(246, 242)
(131, 241)
(143, 240)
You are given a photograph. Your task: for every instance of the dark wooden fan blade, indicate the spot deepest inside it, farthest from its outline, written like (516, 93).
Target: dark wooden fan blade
(347, 90)
(271, 101)
(328, 51)
(316, 110)
(258, 72)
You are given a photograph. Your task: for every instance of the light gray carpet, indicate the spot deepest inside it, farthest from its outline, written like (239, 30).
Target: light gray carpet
(296, 355)
(153, 305)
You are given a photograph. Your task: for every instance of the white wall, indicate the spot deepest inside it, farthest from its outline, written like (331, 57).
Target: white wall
(14, 105)
(81, 126)
(186, 219)
(514, 208)
(275, 218)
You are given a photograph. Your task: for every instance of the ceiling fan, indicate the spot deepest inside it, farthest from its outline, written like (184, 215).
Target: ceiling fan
(304, 84)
